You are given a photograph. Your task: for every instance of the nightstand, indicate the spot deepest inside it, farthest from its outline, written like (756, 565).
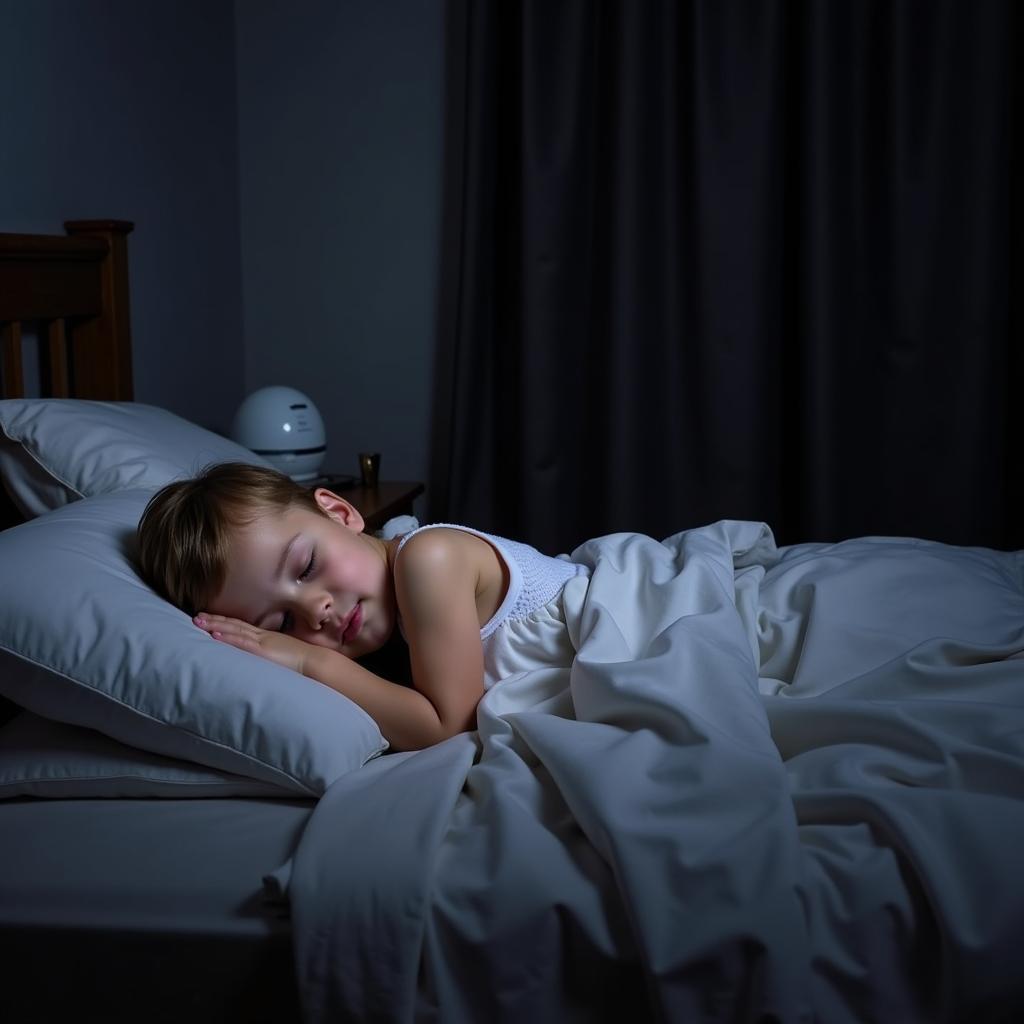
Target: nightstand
(376, 505)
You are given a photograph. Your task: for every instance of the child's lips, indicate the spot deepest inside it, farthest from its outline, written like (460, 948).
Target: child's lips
(352, 625)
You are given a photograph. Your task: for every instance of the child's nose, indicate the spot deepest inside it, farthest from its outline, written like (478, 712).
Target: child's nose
(316, 611)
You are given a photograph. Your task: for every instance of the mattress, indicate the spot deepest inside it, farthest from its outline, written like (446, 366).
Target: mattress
(146, 909)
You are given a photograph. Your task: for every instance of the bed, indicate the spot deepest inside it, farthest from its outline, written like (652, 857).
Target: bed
(772, 784)
(123, 896)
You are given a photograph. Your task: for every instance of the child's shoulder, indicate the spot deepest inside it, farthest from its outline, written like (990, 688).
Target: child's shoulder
(438, 569)
(449, 549)
(439, 543)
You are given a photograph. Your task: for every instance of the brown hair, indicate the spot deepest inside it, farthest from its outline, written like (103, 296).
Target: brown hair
(185, 530)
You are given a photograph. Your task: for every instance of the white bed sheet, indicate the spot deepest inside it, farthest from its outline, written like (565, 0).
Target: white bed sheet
(785, 783)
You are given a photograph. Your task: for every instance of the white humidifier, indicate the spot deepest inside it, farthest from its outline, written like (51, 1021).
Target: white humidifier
(284, 426)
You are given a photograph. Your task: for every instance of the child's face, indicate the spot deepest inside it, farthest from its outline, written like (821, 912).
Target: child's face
(316, 577)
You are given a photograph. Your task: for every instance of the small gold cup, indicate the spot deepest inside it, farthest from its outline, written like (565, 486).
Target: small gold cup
(369, 468)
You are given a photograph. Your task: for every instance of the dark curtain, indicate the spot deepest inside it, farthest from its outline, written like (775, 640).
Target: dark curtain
(732, 259)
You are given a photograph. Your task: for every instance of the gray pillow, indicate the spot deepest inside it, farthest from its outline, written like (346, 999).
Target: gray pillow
(56, 450)
(84, 641)
(42, 758)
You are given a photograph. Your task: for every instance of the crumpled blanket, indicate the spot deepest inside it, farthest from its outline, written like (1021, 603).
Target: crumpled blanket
(774, 784)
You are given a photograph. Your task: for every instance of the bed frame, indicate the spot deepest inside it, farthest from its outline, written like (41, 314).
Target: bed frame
(75, 289)
(69, 295)
(71, 291)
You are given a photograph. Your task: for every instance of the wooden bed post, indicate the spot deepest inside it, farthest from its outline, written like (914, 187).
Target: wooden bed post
(72, 292)
(13, 376)
(102, 345)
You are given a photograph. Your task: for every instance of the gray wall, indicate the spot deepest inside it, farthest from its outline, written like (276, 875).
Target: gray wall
(340, 134)
(127, 109)
(286, 202)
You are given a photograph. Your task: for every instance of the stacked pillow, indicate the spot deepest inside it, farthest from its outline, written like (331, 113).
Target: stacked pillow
(43, 758)
(84, 642)
(56, 450)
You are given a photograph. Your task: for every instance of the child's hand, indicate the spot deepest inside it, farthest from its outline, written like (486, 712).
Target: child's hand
(277, 647)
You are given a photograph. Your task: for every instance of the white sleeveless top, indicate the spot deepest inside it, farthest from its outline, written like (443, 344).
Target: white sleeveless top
(528, 630)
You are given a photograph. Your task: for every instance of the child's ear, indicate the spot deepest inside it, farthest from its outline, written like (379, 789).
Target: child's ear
(339, 509)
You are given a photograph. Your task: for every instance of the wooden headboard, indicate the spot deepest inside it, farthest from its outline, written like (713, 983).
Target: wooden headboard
(71, 292)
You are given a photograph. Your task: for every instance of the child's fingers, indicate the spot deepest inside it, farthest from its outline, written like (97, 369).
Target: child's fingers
(206, 619)
(232, 631)
(225, 625)
(243, 643)
(246, 637)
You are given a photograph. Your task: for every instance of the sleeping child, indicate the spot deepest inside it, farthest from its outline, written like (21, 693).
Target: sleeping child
(290, 574)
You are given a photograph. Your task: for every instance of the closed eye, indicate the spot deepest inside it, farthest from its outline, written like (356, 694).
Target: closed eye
(308, 571)
(287, 621)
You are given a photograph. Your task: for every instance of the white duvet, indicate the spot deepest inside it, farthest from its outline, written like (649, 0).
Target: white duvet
(775, 784)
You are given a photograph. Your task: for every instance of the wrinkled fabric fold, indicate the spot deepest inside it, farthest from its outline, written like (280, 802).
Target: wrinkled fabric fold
(664, 832)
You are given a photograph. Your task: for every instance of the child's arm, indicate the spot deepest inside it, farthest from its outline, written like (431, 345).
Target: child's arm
(436, 583)
(406, 717)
